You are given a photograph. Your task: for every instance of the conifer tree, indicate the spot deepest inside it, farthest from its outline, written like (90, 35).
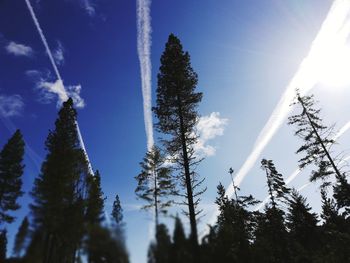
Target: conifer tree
(95, 199)
(3, 245)
(160, 251)
(180, 252)
(335, 238)
(117, 211)
(302, 225)
(11, 171)
(271, 243)
(317, 148)
(155, 183)
(176, 110)
(94, 213)
(21, 237)
(234, 228)
(59, 190)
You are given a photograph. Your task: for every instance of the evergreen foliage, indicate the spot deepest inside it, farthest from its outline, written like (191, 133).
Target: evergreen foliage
(11, 171)
(21, 237)
(155, 183)
(176, 110)
(59, 190)
(3, 245)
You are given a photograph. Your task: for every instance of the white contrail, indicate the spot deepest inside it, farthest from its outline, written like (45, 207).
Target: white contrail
(344, 129)
(49, 53)
(43, 39)
(333, 33)
(144, 43)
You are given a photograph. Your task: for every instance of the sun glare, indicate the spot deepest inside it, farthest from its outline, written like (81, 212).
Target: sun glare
(333, 66)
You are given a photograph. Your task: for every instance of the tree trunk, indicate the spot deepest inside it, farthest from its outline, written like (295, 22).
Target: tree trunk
(191, 208)
(338, 174)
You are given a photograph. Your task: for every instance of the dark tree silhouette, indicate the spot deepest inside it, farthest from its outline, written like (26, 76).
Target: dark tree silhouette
(95, 200)
(117, 212)
(179, 251)
(176, 110)
(303, 231)
(275, 183)
(271, 237)
(317, 146)
(21, 237)
(160, 250)
(3, 245)
(155, 183)
(11, 170)
(59, 190)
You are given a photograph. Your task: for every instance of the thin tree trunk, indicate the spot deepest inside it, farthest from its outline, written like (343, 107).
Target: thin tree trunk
(156, 198)
(320, 140)
(191, 208)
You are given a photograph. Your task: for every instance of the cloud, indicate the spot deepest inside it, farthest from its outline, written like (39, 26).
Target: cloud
(144, 42)
(208, 128)
(89, 7)
(58, 54)
(11, 105)
(49, 91)
(19, 49)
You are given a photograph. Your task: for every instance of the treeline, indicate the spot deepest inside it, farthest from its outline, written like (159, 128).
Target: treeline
(67, 225)
(285, 231)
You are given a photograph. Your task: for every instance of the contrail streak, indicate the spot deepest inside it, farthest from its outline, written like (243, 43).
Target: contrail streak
(334, 32)
(43, 39)
(49, 53)
(334, 28)
(144, 43)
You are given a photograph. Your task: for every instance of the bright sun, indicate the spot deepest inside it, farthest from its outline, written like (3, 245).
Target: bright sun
(332, 66)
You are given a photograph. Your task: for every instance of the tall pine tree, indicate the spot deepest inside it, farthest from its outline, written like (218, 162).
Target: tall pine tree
(59, 190)
(11, 171)
(176, 110)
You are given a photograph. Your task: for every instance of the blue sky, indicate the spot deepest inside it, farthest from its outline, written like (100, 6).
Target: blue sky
(245, 53)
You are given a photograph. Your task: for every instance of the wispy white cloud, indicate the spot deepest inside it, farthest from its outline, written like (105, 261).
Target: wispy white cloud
(208, 128)
(11, 105)
(144, 43)
(58, 53)
(89, 7)
(19, 49)
(49, 91)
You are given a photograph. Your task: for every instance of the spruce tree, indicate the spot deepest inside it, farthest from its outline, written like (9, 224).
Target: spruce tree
(179, 252)
(117, 211)
(59, 190)
(271, 243)
(95, 200)
(11, 171)
(21, 237)
(234, 228)
(155, 183)
(160, 250)
(317, 144)
(335, 238)
(302, 225)
(176, 110)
